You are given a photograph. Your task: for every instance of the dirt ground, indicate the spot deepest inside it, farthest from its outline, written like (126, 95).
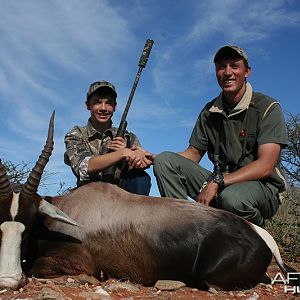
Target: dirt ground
(77, 288)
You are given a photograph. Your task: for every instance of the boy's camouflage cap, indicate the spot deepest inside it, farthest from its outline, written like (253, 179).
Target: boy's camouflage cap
(101, 84)
(226, 50)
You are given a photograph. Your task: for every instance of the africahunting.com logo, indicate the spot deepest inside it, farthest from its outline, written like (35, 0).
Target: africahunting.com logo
(291, 283)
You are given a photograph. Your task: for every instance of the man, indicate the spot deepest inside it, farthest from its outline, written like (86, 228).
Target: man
(243, 133)
(96, 154)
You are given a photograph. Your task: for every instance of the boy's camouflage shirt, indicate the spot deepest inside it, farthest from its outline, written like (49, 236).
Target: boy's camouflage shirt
(84, 142)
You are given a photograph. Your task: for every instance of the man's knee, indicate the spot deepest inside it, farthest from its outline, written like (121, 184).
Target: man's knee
(239, 205)
(162, 161)
(229, 202)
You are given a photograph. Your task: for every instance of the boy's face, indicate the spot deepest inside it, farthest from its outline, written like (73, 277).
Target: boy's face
(102, 107)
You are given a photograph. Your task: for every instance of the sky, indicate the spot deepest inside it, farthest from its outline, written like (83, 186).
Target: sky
(50, 51)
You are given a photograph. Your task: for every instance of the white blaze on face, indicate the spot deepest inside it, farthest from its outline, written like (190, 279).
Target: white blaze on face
(14, 205)
(10, 251)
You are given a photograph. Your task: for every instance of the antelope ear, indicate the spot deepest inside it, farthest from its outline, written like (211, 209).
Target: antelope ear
(52, 211)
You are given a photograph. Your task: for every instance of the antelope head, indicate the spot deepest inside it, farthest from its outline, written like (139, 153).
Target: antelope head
(18, 209)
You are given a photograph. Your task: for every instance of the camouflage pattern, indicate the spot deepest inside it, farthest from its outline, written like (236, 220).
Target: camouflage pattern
(101, 84)
(228, 48)
(84, 142)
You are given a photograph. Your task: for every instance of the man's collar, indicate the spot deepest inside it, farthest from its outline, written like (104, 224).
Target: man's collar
(243, 104)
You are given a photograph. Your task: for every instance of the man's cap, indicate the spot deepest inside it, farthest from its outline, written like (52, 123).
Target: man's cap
(228, 51)
(102, 84)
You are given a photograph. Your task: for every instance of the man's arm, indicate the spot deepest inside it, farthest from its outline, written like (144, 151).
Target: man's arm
(263, 167)
(268, 156)
(193, 154)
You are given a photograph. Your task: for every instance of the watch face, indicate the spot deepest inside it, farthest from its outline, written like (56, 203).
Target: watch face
(218, 178)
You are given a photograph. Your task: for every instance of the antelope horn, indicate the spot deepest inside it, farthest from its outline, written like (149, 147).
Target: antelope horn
(5, 187)
(32, 183)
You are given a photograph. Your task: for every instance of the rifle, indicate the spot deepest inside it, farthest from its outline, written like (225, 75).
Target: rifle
(142, 64)
(112, 174)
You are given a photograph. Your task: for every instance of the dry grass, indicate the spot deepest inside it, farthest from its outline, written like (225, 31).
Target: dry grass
(285, 225)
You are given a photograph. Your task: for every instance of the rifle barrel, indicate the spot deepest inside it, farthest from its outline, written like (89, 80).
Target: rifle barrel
(142, 64)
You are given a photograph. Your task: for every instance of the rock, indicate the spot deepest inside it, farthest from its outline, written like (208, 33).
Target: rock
(49, 294)
(117, 286)
(169, 285)
(83, 278)
(94, 296)
(212, 290)
(267, 286)
(101, 291)
(70, 280)
(255, 296)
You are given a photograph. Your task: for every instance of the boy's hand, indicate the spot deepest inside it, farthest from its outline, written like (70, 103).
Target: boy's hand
(117, 144)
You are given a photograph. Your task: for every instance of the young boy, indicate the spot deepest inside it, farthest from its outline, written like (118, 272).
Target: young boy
(96, 154)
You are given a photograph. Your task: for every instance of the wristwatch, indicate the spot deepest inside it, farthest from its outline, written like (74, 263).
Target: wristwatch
(218, 178)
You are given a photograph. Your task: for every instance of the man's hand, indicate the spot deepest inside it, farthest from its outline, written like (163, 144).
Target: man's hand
(139, 158)
(208, 193)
